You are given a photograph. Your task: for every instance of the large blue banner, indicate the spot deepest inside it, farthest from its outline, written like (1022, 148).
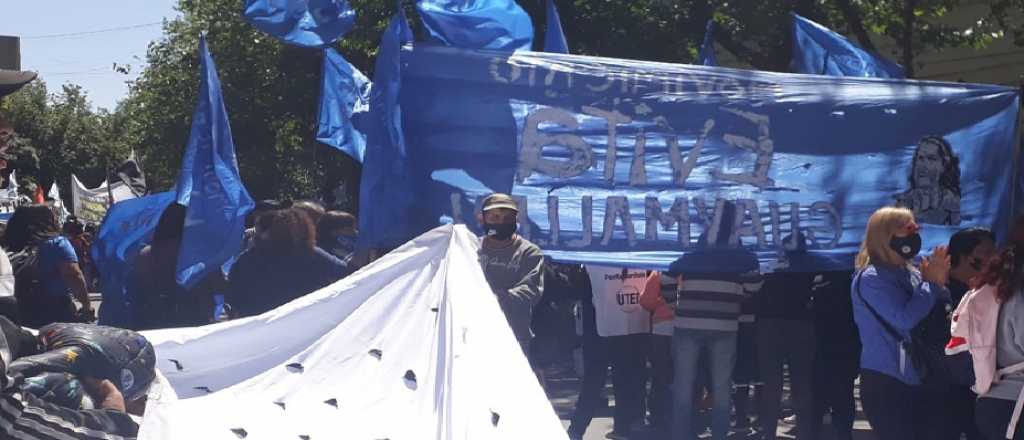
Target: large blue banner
(630, 162)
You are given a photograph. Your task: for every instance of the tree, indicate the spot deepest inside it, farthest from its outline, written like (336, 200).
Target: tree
(271, 89)
(57, 135)
(759, 33)
(271, 92)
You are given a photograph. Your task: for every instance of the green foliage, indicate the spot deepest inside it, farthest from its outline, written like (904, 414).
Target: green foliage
(271, 90)
(58, 134)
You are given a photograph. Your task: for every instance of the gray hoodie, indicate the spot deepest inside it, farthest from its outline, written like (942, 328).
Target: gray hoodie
(516, 276)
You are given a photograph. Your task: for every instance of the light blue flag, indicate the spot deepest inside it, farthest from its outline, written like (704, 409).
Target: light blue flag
(478, 24)
(554, 37)
(209, 184)
(706, 57)
(307, 23)
(344, 97)
(127, 228)
(818, 50)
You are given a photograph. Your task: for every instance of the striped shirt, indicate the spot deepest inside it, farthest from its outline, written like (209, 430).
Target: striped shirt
(715, 284)
(25, 417)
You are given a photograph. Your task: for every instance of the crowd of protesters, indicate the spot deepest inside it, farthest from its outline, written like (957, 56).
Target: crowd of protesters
(707, 345)
(46, 275)
(716, 336)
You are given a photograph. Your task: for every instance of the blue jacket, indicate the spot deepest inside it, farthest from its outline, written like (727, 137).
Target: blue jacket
(902, 298)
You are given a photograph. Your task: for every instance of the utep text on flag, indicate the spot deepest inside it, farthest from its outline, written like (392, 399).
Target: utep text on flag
(307, 23)
(478, 24)
(209, 184)
(344, 96)
(127, 229)
(818, 50)
(554, 36)
(624, 162)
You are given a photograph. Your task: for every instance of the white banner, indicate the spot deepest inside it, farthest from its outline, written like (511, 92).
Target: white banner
(91, 204)
(413, 346)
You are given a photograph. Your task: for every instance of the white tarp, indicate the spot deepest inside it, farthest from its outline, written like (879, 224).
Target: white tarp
(337, 363)
(91, 204)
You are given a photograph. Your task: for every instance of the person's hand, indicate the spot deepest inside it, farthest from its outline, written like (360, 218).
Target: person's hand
(104, 394)
(935, 269)
(86, 315)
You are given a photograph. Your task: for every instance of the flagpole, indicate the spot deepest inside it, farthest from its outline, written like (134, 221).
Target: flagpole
(110, 190)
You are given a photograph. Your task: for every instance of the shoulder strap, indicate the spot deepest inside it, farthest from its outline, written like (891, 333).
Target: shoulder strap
(885, 324)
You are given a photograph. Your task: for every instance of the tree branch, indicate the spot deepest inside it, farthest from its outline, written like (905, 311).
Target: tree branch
(856, 24)
(907, 40)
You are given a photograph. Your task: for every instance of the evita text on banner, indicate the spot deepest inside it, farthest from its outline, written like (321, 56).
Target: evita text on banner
(617, 160)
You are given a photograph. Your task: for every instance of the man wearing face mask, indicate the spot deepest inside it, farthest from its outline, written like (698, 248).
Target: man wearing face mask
(513, 266)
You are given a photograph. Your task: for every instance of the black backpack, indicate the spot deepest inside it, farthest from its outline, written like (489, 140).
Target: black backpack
(27, 274)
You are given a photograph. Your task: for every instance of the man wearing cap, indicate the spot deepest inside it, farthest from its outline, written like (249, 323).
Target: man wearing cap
(513, 266)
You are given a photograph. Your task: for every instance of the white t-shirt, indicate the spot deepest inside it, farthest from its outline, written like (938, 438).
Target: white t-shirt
(6, 275)
(617, 300)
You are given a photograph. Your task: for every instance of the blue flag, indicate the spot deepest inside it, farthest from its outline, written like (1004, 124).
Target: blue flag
(307, 23)
(706, 57)
(385, 140)
(127, 228)
(554, 38)
(818, 50)
(478, 24)
(344, 97)
(209, 184)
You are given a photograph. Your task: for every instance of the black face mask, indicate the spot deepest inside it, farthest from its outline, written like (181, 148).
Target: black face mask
(500, 231)
(907, 247)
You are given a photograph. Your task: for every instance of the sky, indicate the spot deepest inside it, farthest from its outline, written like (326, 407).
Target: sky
(105, 32)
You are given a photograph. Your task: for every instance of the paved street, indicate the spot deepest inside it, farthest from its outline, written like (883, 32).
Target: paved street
(563, 386)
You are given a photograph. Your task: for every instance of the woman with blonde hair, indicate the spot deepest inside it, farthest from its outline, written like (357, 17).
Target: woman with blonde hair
(890, 297)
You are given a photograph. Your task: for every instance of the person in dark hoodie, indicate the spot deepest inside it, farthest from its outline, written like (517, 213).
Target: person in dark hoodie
(837, 354)
(785, 335)
(596, 358)
(953, 405)
(284, 264)
(154, 295)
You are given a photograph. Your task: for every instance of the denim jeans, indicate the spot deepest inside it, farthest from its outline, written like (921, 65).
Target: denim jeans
(721, 350)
